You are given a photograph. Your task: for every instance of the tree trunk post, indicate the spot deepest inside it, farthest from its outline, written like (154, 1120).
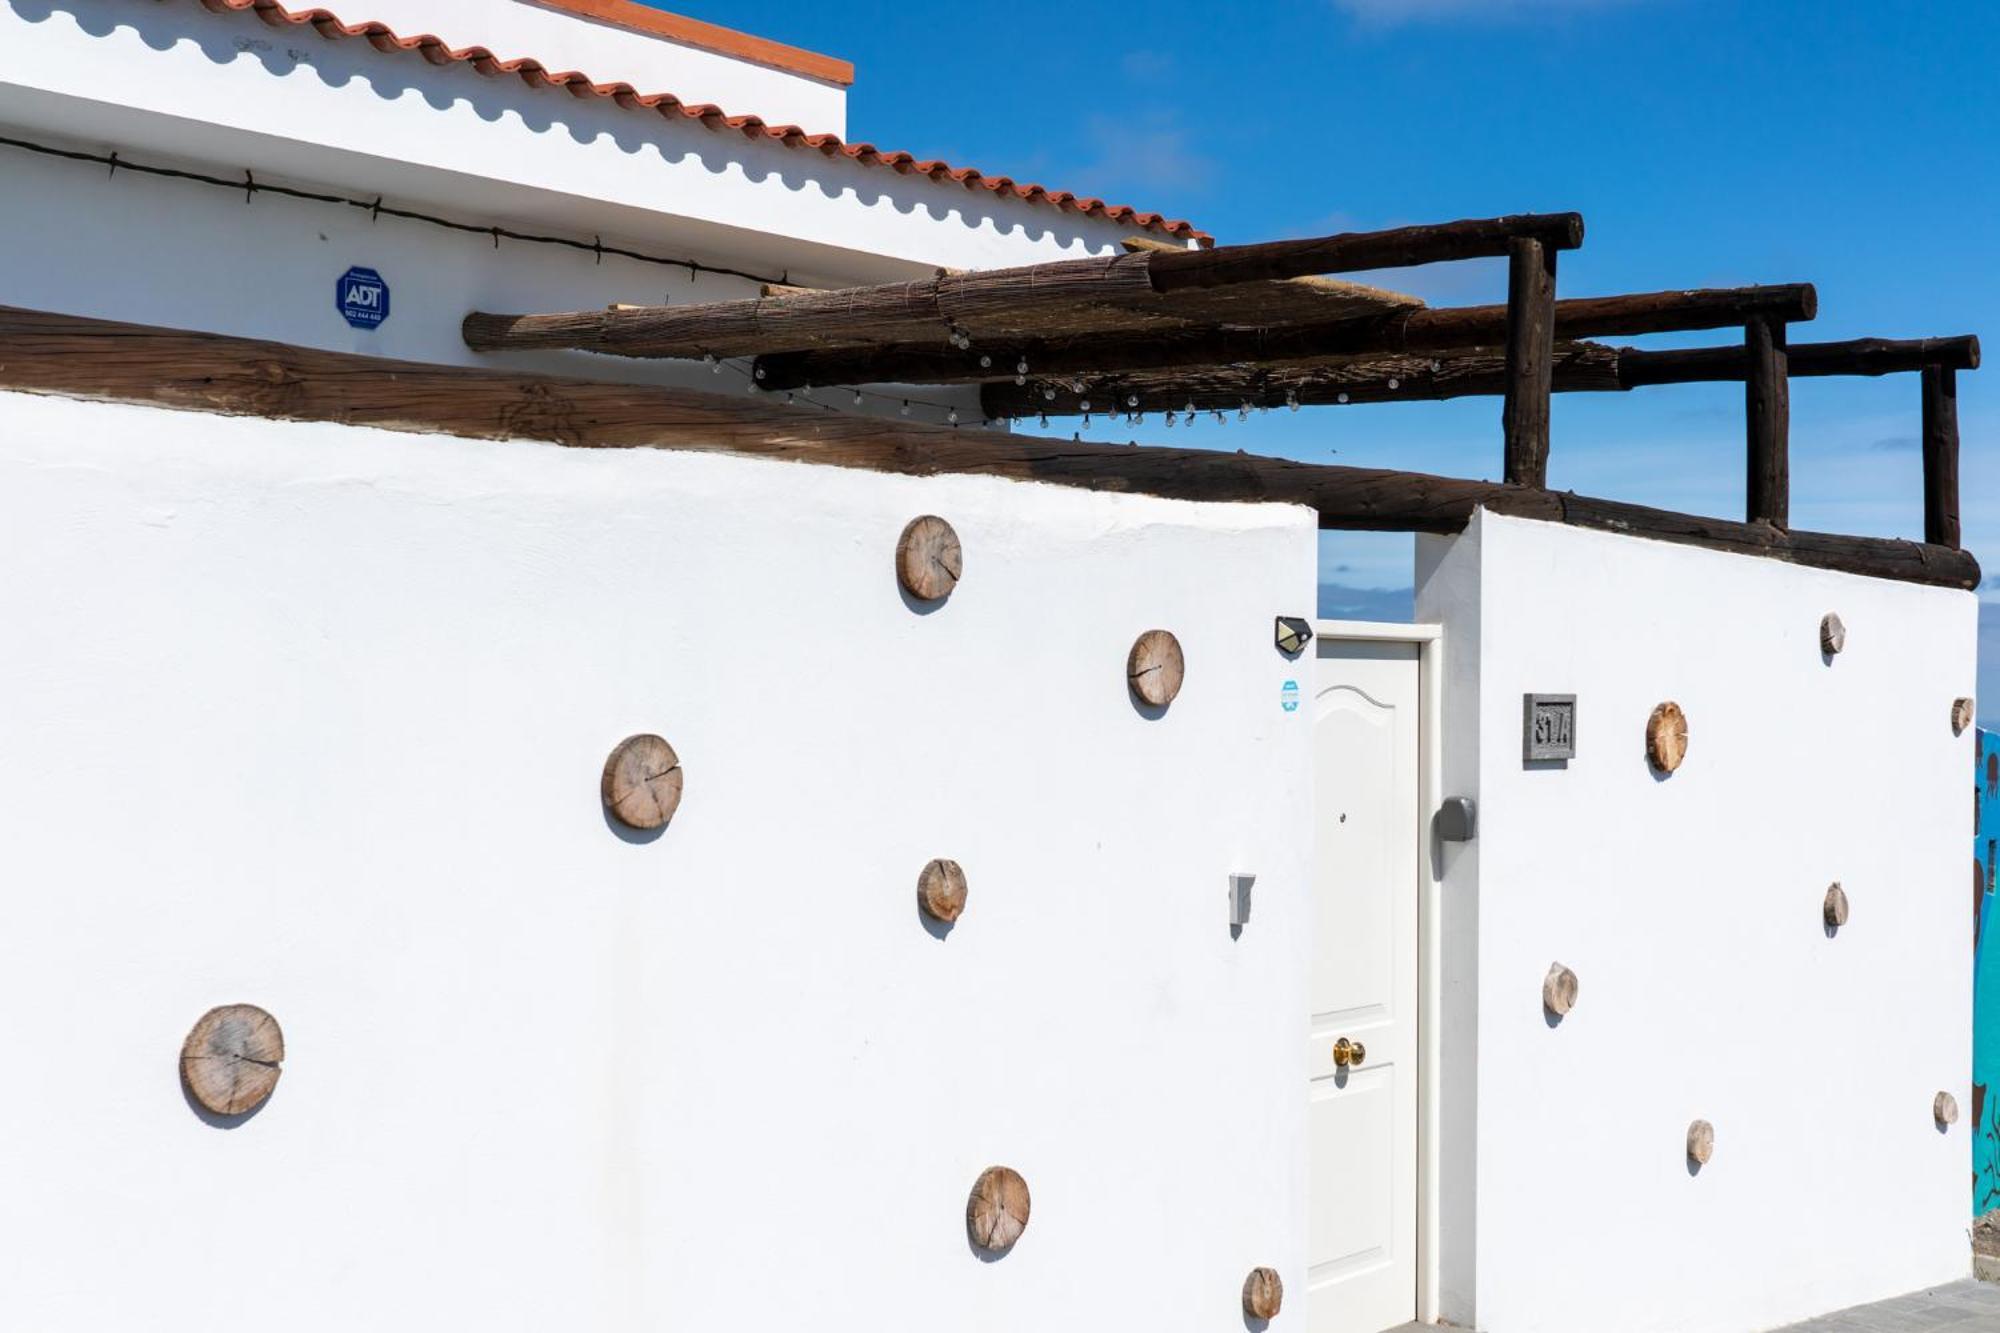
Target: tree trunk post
(1941, 456)
(1768, 416)
(1531, 331)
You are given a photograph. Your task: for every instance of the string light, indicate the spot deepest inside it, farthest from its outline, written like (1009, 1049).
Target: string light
(1243, 412)
(759, 372)
(714, 364)
(857, 397)
(1343, 398)
(1394, 383)
(906, 407)
(1045, 421)
(1170, 421)
(790, 400)
(1292, 399)
(1049, 395)
(985, 362)
(1219, 418)
(951, 416)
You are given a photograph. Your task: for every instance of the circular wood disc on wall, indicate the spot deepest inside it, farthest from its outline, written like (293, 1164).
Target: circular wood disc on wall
(929, 558)
(1559, 990)
(941, 890)
(1263, 1294)
(230, 1059)
(1155, 668)
(997, 1212)
(1944, 1109)
(1834, 912)
(1832, 633)
(1961, 716)
(1701, 1142)
(642, 782)
(1667, 737)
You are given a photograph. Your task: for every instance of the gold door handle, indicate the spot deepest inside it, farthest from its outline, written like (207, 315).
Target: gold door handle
(1349, 1053)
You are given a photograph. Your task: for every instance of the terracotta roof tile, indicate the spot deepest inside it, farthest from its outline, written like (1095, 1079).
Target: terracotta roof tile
(532, 72)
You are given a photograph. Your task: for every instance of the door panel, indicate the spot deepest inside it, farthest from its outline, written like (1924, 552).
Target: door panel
(1362, 1271)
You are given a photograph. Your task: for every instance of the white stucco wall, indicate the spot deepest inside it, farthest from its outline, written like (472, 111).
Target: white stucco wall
(228, 90)
(1689, 907)
(313, 717)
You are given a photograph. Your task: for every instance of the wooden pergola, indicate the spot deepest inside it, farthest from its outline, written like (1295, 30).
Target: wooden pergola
(1165, 330)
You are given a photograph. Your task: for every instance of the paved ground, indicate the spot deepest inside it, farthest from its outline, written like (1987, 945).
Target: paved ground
(1962, 1307)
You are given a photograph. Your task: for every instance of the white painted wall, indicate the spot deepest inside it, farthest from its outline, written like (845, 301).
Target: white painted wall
(313, 717)
(1690, 909)
(231, 91)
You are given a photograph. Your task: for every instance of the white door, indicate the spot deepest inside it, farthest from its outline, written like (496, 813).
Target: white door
(1362, 1273)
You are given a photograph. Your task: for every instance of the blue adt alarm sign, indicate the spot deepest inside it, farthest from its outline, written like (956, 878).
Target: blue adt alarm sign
(362, 297)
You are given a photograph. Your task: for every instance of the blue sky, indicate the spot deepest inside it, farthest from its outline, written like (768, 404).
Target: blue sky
(1847, 144)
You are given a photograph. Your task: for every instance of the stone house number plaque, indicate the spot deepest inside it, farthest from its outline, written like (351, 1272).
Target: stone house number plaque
(1548, 726)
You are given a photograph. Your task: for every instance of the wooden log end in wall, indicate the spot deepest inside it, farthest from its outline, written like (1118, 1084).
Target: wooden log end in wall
(1944, 1109)
(1263, 1294)
(1155, 668)
(1701, 1142)
(929, 558)
(1834, 911)
(941, 890)
(1961, 716)
(1667, 737)
(1559, 990)
(1832, 633)
(642, 782)
(230, 1060)
(996, 1213)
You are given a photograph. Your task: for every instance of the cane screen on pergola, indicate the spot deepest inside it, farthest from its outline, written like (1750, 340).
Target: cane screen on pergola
(1163, 329)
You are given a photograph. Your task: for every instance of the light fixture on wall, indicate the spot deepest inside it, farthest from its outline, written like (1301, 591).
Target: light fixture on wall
(1239, 898)
(1293, 634)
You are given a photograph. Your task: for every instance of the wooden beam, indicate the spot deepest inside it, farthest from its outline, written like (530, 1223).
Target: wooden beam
(1767, 412)
(97, 359)
(1046, 299)
(1531, 331)
(1580, 367)
(1401, 331)
(1858, 356)
(1940, 389)
(1353, 252)
(1577, 367)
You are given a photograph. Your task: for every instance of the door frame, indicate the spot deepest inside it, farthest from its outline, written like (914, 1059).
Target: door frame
(1429, 641)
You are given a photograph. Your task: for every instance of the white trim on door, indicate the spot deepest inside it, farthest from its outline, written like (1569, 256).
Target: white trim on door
(1430, 749)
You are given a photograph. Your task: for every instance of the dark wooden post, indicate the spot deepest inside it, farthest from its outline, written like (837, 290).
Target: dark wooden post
(1531, 334)
(1767, 410)
(1941, 456)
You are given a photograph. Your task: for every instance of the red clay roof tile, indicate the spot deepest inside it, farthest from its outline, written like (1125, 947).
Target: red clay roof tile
(531, 71)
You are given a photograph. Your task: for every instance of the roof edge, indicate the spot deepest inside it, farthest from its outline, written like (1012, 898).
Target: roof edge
(708, 37)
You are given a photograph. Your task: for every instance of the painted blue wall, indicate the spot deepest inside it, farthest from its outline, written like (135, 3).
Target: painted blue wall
(1985, 976)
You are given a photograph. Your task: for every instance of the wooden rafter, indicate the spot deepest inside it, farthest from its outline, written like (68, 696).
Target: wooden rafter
(1410, 330)
(1134, 292)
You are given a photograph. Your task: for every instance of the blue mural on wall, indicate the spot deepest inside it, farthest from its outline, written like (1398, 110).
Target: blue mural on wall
(1985, 975)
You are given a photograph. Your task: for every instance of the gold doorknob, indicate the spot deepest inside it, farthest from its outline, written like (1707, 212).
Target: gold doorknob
(1346, 1053)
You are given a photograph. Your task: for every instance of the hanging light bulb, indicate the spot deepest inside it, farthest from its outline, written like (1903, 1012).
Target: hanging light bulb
(714, 366)
(1020, 379)
(1292, 399)
(906, 408)
(789, 399)
(985, 362)
(1045, 421)
(1189, 409)
(1086, 418)
(1395, 383)
(1343, 398)
(1170, 421)
(1220, 420)
(1021, 366)
(1243, 412)
(1076, 386)
(1131, 400)
(857, 397)
(1049, 395)
(759, 372)
(952, 416)
(1085, 404)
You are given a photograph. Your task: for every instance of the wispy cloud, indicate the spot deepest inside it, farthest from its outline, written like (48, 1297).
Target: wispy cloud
(1150, 152)
(1896, 444)
(1390, 13)
(1144, 66)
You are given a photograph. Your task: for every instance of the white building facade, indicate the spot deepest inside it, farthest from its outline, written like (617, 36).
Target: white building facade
(311, 716)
